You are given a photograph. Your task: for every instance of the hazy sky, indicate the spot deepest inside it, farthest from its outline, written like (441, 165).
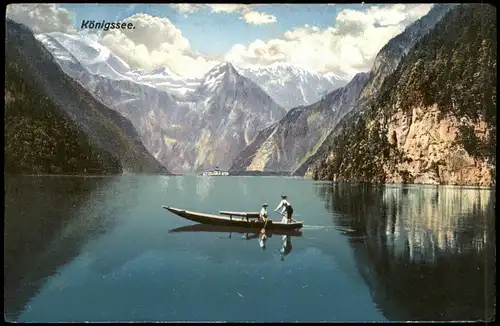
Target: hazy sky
(191, 38)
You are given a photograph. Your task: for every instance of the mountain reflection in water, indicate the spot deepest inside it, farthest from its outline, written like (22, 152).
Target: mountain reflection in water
(426, 253)
(47, 221)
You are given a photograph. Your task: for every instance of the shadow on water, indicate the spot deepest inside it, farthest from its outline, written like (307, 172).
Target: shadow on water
(426, 253)
(231, 229)
(248, 234)
(46, 224)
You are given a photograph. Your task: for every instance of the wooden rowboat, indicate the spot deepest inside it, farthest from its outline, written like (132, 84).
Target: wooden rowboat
(244, 222)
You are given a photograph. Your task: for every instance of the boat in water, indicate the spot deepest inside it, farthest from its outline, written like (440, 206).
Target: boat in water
(242, 219)
(216, 172)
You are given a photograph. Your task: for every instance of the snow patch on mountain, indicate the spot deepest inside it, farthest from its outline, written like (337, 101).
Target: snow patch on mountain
(291, 86)
(97, 59)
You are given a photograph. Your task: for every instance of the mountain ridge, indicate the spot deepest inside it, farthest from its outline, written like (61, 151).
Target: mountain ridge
(302, 86)
(106, 140)
(197, 129)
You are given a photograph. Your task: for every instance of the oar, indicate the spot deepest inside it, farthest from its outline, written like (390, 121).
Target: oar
(280, 213)
(285, 215)
(264, 228)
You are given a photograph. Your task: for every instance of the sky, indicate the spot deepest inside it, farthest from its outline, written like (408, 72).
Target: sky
(191, 38)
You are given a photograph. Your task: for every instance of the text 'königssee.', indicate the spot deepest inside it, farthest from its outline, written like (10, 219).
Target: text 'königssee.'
(92, 24)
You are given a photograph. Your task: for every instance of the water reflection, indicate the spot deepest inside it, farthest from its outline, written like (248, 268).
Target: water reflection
(180, 183)
(286, 246)
(435, 219)
(53, 208)
(248, 234)
(164, 182)
(203, 187)
(427, 253)
(242, 183)
(262, 239)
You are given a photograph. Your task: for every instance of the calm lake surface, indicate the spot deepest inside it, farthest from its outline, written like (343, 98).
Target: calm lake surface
(99, 249)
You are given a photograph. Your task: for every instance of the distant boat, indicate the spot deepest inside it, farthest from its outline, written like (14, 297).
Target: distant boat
(216, 172)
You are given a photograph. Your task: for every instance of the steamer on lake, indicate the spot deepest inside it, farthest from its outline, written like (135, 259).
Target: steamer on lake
(216, 172)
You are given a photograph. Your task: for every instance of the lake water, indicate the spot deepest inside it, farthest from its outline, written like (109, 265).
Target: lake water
(99, 249)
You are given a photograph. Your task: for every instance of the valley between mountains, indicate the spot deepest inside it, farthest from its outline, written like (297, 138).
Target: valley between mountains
(424, 113)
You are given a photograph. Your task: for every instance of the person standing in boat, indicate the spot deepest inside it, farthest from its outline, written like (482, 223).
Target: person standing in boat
(263, 215)
(285, 206)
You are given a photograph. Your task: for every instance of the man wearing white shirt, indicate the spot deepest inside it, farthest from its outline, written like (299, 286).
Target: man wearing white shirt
(263, 213)
(285, 206)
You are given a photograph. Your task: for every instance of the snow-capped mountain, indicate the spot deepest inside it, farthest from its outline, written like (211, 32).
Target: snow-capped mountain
(187, 124)
(84, 51)
(291, 86)
(96, 59)
(164, 79)
(287, 85)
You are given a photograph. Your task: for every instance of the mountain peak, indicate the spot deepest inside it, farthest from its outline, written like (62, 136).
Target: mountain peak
(162, 70)
(224, 67)
(228, 65)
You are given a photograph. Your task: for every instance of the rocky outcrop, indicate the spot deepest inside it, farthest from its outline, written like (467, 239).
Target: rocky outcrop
(53, 125)
(426, 149)
(431, 152)
(433, 122)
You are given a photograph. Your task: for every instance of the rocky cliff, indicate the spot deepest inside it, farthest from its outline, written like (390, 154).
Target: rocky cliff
(434, 120)
(53, 125)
